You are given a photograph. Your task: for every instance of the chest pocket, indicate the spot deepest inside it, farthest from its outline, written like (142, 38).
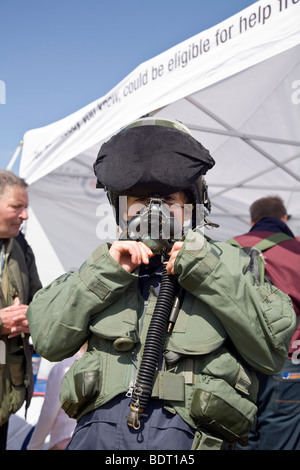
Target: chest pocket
(119, 320)
(197, 330)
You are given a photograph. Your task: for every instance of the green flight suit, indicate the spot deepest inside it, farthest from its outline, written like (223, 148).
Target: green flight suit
(228, 326)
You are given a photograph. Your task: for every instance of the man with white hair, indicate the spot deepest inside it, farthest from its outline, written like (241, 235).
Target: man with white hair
(19, 281)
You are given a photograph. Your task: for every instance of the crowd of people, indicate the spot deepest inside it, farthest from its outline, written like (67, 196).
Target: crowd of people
(165, 342)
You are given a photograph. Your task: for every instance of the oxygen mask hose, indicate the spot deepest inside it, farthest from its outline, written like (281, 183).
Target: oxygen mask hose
(157, 329)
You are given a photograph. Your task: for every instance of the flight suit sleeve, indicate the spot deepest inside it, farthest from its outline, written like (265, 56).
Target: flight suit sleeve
(59, 315)
(258, 318)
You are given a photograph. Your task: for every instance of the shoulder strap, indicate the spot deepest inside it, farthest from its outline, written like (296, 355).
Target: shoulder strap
(265, 244)
(272, 240)
(233, 242)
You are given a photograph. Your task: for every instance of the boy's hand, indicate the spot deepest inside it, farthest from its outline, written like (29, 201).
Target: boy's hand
(174, 252)
(130, 254)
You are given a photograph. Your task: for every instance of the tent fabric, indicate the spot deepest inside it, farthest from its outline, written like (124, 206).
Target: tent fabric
(236, 86)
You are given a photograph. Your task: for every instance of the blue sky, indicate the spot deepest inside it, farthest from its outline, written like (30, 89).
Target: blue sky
(58, 56)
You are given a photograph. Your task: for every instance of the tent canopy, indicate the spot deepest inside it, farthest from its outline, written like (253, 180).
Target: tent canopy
(236, 86)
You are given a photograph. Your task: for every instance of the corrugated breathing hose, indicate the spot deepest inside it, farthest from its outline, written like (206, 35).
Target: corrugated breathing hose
(157, 329)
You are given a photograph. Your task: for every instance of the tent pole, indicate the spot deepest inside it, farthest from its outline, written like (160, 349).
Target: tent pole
(247, 141)
(15, 156)
(241, 184)
(234, 133)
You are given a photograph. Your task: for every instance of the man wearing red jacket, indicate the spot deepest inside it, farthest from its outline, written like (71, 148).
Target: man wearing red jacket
(278, 421)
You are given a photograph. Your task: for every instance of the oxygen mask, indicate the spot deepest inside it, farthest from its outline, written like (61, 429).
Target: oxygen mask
(155, 225)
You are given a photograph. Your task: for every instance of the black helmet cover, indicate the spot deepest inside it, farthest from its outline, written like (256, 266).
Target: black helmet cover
(143, 160)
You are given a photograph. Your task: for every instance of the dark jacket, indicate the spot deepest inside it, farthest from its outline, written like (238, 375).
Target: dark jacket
(19, 279)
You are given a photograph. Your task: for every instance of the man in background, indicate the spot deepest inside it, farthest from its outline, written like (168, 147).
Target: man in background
(278, 423)
(19, 281)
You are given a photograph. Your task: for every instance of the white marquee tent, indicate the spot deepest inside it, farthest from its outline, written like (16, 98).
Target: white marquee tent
(236, 86)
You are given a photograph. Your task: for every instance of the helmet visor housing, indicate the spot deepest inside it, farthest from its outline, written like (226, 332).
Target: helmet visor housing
(152, 157)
